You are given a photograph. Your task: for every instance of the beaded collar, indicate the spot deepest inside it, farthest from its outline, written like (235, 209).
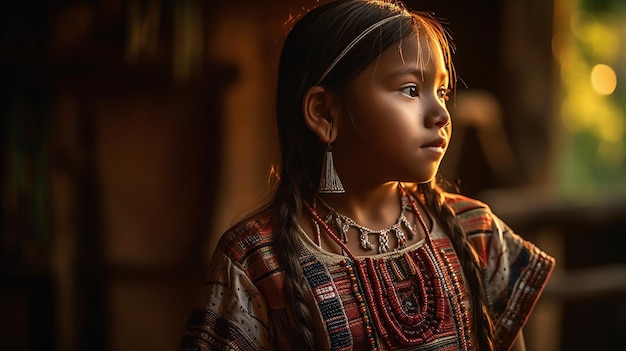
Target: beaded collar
(343, 223)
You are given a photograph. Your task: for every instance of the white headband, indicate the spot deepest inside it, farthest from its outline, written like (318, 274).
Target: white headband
(356, 41)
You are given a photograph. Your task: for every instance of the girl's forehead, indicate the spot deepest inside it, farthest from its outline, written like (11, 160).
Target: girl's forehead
(419, 46)
(417, 51)
(412, 60)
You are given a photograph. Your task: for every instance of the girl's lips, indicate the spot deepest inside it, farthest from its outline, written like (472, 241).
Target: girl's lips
(436, 148)
(438, 143)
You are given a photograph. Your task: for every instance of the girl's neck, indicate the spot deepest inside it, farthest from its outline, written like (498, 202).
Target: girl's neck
(375, 207)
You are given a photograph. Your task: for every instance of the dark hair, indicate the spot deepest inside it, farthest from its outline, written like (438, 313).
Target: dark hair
(313, 43)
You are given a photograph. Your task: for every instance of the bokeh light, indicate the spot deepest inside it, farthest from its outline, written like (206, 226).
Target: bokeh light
(603, 79)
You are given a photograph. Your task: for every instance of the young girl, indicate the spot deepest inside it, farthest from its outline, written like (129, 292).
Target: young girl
(359, 248)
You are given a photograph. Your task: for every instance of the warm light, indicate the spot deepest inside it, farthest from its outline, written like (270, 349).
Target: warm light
(603, 79)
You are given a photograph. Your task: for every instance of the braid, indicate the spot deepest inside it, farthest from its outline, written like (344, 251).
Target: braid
(481, 320)
(287, 248)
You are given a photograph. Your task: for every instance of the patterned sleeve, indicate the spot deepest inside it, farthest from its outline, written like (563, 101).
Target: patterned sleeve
(234, 315)
(516, 273)
(515, 270)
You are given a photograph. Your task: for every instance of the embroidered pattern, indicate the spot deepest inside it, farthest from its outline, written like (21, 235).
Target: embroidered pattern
(416, 296)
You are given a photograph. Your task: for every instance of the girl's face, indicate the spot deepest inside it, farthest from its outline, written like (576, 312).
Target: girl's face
(396, 125)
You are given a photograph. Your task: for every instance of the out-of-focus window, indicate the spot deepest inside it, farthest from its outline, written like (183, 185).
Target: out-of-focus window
(590, 48)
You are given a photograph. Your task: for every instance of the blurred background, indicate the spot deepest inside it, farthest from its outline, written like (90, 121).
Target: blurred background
(133, 133)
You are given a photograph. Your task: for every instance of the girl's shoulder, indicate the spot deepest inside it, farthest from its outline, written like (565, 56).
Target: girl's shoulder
(473, 215)
(461, 203)
(246, 237)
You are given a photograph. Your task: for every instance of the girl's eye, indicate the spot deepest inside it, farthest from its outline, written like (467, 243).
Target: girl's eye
(410, 91)
(443, 93)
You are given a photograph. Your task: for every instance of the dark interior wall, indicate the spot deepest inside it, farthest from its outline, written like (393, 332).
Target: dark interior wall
(110, 159)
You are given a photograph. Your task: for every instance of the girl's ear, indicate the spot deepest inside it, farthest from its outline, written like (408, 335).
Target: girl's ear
(317, 111)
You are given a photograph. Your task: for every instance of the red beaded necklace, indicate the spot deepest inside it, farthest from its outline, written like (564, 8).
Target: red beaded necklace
(375, 319)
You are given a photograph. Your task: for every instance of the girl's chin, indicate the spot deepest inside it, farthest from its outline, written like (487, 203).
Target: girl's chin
(420, 180)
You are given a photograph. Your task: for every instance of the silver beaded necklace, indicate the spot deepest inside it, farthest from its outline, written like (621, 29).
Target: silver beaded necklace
(343, 224)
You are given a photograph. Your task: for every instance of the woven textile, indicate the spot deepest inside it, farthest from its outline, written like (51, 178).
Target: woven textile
(411, 299)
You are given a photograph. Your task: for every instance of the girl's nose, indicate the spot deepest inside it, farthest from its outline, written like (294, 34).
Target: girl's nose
(439, 116)
(443, 120)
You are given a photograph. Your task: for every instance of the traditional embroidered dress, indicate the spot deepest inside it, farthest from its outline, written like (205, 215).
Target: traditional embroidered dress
(409, 299)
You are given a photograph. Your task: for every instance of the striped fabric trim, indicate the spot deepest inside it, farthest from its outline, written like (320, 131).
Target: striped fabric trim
(533, 268)
(251, 245)
(328, 303)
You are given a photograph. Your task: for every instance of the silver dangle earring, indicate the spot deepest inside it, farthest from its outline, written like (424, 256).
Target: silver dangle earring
(329, 181)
